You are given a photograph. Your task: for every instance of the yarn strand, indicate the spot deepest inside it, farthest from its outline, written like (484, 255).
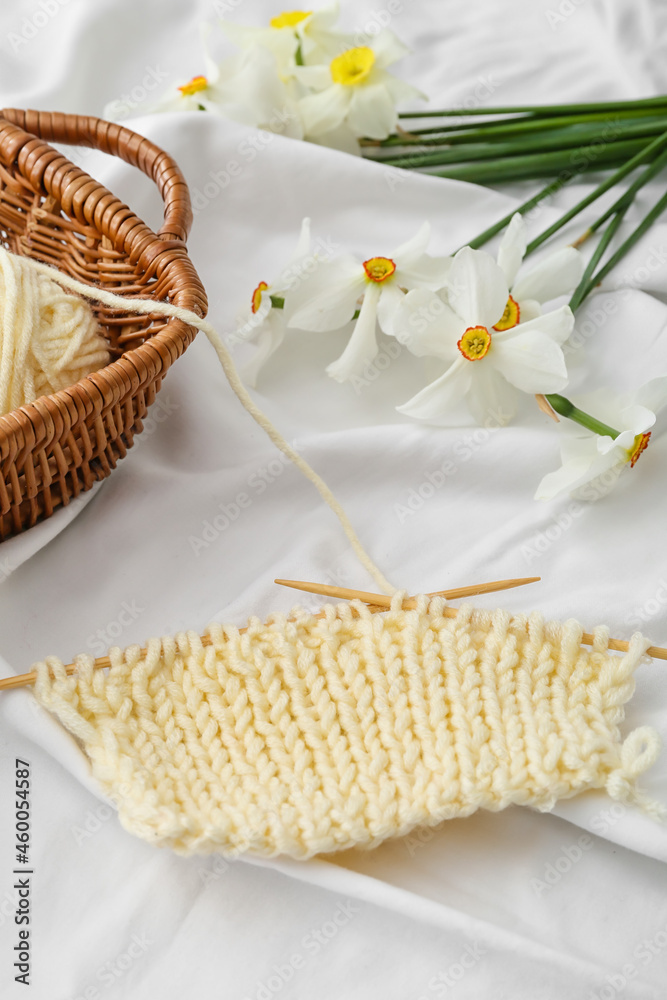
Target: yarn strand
(151, 306)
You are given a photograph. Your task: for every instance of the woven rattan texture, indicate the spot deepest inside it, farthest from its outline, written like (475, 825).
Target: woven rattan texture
(60, 445)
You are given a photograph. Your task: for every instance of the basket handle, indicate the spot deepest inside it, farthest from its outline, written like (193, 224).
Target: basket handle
(109, 137)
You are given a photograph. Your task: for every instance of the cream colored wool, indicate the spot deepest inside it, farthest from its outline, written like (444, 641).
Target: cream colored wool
(49, 339)
(319, 734)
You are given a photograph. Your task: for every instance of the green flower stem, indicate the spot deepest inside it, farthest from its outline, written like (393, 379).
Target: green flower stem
(644, 225)
(547, 109)
(550, 189)
(527, 123)
(641, 156)
(559, 141)
(565, 408)
(628, 196)
(497, 227)
(528, 167)
(546, 129)
(584, 287)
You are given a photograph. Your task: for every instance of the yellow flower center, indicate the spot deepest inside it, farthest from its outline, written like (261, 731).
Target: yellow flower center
(257, 296)
(196, 84)
(639, 447)
(378, 269)
(352, 67)
(475, 343)
(510, 317)
(290, 18)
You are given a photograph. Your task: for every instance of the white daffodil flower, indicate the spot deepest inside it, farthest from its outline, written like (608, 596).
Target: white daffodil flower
(308, 32)
(246, 88)
(488, 360)
(329, 297)
(592, 462)
(250, 90)
(201, 93)
(262, 321)
(556, 274)
(198, 94)
(355, 89)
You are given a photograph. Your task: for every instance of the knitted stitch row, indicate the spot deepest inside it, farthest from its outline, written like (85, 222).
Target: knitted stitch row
(305, 735)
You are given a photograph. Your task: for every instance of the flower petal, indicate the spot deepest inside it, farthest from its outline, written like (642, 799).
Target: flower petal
(251, 91)
(362, 345)
(637, 419)
(324, 17)
(532, 362)
(325, 111)
(291, 274)
(388, 49)
(319, 42)
(557, 274)
(567, 478)
(212, 68)
(303, 243)
(321, 46)
(251, 324)
(653, 395)
(399, 90)
(557, 324)
(427, 326)
(530, 309)
(391, 299)
(582, 463)
(372, 113)
(409, 252)
(477, 288)
(316, 77)
(512, 248)
(434, 402)
(268, 342)
(283, 44)
(327, 298)
(427, 272)
(490, 399)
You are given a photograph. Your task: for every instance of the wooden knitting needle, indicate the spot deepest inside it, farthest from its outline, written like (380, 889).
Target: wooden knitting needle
(377, 602)
(384, 601)
(101, 662)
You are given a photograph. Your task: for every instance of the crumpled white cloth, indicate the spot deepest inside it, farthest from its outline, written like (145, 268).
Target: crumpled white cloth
(517, 905)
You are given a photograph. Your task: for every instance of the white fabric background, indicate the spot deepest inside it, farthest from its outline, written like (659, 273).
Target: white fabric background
(407, 912)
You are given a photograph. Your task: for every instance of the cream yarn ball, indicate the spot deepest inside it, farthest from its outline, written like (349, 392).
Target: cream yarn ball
(49, 339)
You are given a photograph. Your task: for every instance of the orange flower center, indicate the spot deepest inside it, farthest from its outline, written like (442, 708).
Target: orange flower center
(475, 343)
(257, 296)
(639, 447)
(378, 269)
(196, 84)
(510, 317)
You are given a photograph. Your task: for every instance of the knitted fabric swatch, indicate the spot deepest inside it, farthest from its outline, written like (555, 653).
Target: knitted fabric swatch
(305, 735)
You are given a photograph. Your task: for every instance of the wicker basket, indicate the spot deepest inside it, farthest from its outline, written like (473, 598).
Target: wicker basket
(58, 446)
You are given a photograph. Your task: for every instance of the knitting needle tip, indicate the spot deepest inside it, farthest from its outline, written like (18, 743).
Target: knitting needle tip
(345, 594)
